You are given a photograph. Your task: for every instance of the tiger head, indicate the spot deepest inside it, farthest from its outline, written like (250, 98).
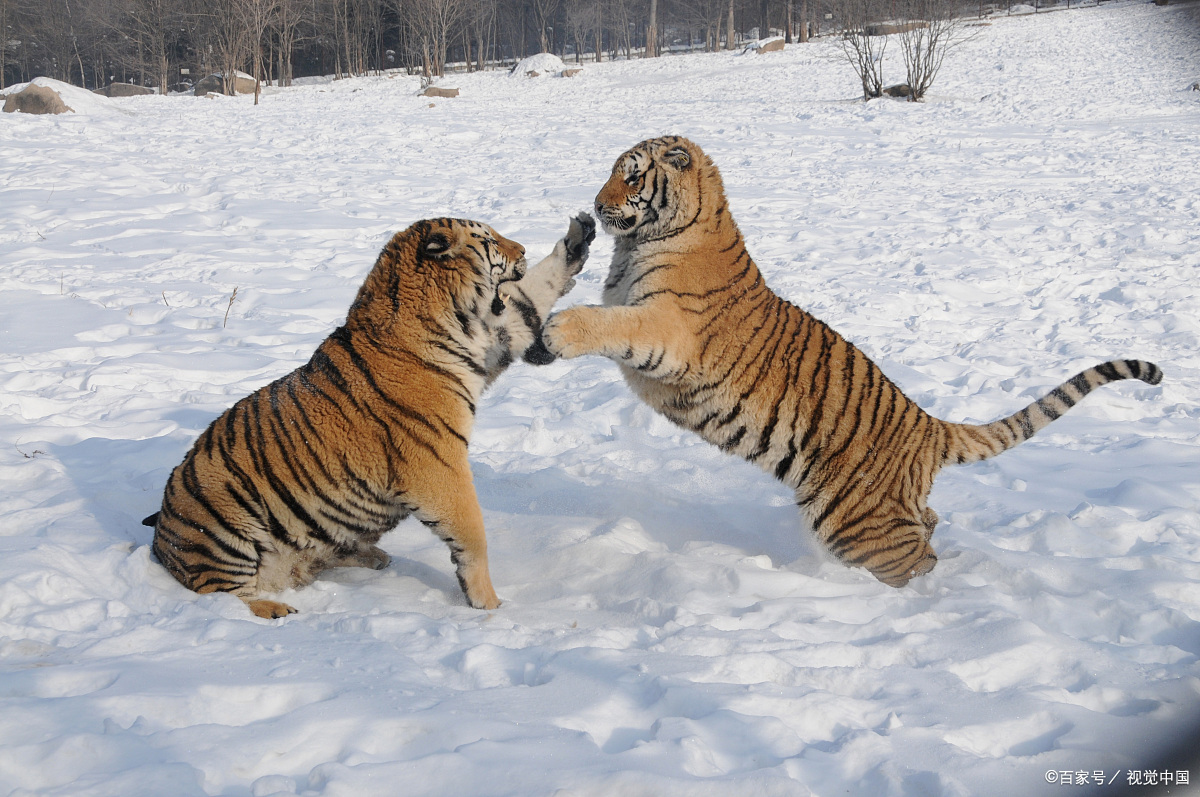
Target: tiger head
(449, 262)
(467, 248)
(656, 187)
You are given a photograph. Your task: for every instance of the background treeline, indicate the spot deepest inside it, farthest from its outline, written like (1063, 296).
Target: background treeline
(168, 43)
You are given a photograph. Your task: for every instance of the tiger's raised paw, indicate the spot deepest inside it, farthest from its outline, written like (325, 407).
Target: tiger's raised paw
(580, 235)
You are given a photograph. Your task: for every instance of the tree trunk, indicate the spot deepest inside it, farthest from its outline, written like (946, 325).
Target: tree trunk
(729, 28)
(652, 31)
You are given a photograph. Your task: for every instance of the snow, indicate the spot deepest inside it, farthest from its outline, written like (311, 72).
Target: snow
(542, 63)
(668, 626)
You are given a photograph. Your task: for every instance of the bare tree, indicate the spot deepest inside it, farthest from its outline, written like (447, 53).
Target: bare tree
(599, 30)
(432, 23)
(56, 28)
(292, 16)
(256, 16)
(863, 44)
(652, 31)
(619, 22)
(707, 15)
(928, 30)
(581, 18)
(480, 24)
(543, 15)
(7, 18)
(222, 38)
(154, 27)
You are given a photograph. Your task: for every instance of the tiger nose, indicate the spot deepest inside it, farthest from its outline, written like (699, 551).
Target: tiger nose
(511, 248)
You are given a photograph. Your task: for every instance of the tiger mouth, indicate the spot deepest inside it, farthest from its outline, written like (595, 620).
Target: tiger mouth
(512, 273)
(614, 221)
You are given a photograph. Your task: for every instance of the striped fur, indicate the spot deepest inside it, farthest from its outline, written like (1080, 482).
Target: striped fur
(703, 340)
(310, 471)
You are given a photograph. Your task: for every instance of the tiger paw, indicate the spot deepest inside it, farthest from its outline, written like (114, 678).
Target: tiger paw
(576, 242)
(270, 610)
(477, 586)
(373, 557)
(538, 354)
(562, 334)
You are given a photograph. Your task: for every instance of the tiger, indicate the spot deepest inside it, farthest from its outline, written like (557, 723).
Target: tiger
(308, 472)
(702, 339)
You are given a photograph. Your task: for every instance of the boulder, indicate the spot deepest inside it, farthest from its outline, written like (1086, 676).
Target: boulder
(434, 91)
(123, 90)
(898, 90)
(242, 84)
(571, 72)
(35, 99)
(770, 45)
(888, 28)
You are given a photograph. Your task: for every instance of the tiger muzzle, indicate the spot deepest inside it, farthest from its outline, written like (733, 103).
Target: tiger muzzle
(509, 271)
(613, 220)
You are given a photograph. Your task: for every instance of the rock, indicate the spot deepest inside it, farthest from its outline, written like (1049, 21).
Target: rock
(888, 28)
(242, 84)
(770, 45)
(434, 91)
(898, 90)
(123, 90)
(35, 99)
(571, 72)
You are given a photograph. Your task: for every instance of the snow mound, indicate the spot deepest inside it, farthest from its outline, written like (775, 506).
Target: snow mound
(79, 100)
(542, 63)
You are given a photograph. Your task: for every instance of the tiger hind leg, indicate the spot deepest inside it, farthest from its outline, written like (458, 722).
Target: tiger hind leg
(895, 550)
(929, 519)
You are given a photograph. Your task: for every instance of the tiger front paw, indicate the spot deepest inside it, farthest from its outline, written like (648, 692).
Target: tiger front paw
(580, 235)
(477, 587)
(563, 335)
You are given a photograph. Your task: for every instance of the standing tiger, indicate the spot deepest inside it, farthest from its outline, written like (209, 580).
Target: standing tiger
(310, 471)
(701, 338)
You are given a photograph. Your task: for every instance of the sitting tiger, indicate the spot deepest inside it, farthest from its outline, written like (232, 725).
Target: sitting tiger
(310, 471)
(703, 340)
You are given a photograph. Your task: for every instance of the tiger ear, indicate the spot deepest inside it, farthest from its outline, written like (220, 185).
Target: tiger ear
(678, 157)
(437, 244)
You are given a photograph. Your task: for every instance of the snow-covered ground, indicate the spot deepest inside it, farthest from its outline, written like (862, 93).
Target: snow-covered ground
(668, 626)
